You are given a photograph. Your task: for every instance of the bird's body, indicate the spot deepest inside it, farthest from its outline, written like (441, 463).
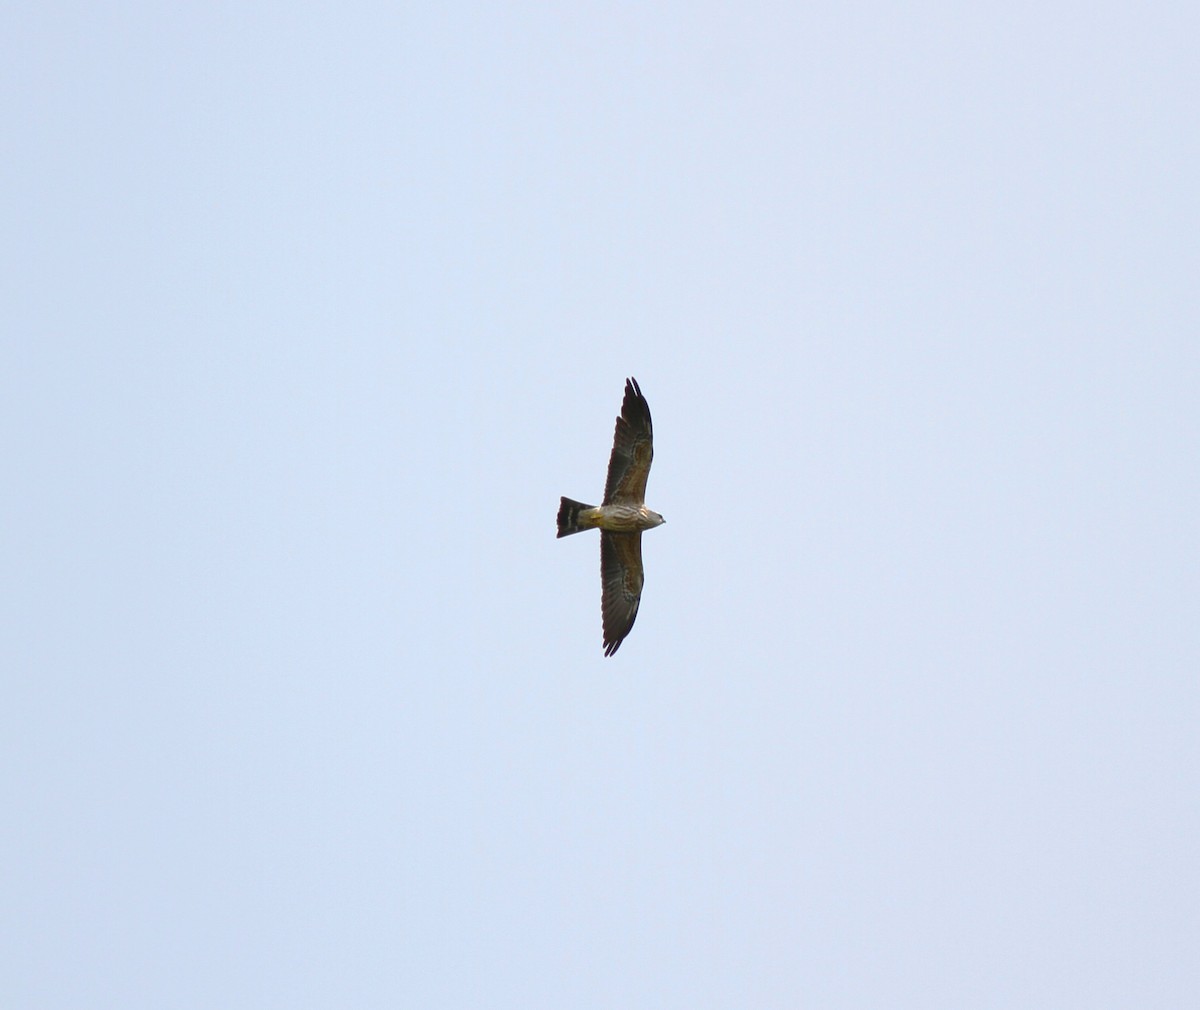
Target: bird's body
(618, 518)
(621, 519)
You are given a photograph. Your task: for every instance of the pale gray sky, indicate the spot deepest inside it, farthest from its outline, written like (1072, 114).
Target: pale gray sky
(310, 314)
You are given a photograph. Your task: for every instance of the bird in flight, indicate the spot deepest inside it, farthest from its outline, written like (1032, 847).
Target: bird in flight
(621, 519)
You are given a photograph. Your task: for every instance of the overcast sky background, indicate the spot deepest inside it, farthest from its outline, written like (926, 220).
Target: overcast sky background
(310, 313)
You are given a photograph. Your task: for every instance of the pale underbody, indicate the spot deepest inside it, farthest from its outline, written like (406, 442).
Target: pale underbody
(620, 518)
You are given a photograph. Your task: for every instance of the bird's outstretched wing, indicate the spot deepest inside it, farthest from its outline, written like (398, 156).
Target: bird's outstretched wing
(632, 451)
(621, 581)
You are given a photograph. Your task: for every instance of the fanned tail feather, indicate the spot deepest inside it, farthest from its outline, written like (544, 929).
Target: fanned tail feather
(568, 517)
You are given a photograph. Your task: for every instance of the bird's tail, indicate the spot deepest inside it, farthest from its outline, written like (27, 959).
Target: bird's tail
(568, 517)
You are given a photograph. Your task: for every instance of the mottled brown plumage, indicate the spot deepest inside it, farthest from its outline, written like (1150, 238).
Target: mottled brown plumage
(621, 519)
(632, 451)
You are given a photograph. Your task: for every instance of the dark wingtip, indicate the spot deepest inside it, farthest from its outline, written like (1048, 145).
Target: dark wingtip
(635, 407)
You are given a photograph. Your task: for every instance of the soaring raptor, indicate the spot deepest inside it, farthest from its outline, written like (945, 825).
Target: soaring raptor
(621, 519)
